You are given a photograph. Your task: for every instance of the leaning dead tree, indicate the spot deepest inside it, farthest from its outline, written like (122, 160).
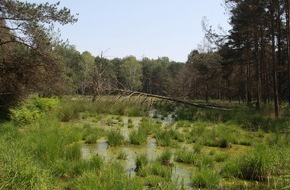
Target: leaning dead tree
(145, 96)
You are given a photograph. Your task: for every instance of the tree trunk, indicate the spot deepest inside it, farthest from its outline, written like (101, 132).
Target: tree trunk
(287, 3)
(248, 82)
(258, 71)
(274, 72)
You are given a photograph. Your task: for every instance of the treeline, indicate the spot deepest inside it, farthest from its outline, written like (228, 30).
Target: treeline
(250, 64)
(199, 78)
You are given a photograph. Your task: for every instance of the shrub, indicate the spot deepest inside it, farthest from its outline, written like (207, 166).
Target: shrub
(32, 109)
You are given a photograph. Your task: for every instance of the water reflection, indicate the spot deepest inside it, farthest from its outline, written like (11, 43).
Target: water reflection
(180, 173)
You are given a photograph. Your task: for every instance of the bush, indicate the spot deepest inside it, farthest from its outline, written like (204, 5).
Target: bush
(32, 109)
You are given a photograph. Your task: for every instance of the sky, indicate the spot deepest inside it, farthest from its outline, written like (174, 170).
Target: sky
(142, 28)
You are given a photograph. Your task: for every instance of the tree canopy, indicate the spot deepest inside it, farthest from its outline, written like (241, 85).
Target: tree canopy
(27, 61)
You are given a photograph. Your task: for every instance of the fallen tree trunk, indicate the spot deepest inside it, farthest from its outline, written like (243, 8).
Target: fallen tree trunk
(206, 106)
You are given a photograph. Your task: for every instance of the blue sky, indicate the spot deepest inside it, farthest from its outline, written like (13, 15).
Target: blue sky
(142, 28)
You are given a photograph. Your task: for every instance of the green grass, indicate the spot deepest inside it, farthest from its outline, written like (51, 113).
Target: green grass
(164, 138)
(91, 135)
(138, 137)
(115, 138)
(111, 176)
(206, 178)
(185, 156)
(222, 149)
(122, 156)
(141, 163)
(165, 158)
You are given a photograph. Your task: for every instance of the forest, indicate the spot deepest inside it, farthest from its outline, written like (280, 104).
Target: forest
(249, 64)
(57, 104)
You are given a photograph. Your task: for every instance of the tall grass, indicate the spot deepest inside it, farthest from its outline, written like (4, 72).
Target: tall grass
(138, 137)
(71, 109)
(115, 138)
(257, 164)
(206, 178)
(185, 156)
(19, 170)
(45, 153)
(111, 176)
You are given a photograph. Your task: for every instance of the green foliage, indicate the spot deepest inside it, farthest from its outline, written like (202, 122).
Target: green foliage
(32, 109)
(131, 73)
(38, 70)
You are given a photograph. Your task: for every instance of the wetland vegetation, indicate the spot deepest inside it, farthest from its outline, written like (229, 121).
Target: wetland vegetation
(72, 143)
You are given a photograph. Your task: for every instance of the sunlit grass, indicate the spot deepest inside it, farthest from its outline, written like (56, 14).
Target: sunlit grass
(46, 153)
